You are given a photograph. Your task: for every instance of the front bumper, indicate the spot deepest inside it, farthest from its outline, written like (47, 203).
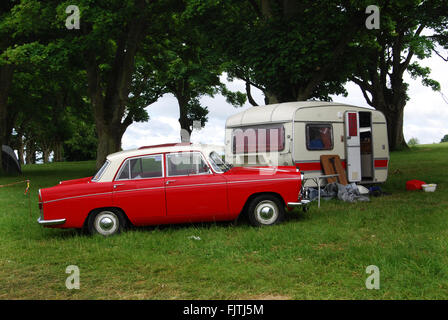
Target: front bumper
(56, 222)
(301, 203)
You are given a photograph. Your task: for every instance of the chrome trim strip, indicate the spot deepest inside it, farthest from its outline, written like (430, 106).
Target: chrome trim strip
(43, 222)
(74, 197)
(139, 189)
(199, 184)
(243, 181)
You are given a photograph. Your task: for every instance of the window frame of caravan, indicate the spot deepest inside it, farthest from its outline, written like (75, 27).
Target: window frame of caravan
(326, 124)
(128, 160)
(256, 127)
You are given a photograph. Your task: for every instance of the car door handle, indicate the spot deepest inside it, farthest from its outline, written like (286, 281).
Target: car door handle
(170, 181)
(118, 184)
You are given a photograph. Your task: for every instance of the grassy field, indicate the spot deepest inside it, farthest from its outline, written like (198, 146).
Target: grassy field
(322, 254)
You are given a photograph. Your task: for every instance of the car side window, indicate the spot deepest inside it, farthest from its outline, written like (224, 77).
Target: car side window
(185, 164)
(142, 168)
(124, 173)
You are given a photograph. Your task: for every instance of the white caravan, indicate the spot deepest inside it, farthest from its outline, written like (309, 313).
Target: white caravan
(298, 133)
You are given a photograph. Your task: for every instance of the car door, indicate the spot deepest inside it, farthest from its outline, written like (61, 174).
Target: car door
(139, 189)
(193, 191)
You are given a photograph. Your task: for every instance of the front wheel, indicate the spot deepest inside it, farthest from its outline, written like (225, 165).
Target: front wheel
(106, 222)
(265, 210)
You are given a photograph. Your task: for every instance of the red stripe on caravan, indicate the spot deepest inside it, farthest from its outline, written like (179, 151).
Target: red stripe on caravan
(309, 166)
(381, 163)
(313, 166)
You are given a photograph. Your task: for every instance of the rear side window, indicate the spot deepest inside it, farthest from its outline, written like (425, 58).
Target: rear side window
(319, 137)
(142, 168)
(258, 139)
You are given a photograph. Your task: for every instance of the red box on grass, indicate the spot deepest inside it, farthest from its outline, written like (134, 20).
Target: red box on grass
(414, 185)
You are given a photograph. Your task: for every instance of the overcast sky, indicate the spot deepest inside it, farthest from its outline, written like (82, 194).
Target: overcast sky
(425, 116)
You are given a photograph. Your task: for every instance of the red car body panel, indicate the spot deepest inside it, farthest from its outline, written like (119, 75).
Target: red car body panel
(203, 197)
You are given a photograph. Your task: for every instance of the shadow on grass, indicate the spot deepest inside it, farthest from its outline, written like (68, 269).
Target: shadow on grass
(63, 234)
(242, 222)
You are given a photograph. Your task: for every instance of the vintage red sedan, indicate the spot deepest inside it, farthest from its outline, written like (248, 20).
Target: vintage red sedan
(171, 183)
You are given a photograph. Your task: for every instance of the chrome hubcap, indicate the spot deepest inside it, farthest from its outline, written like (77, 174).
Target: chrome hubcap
(106, 223)
(266, 212)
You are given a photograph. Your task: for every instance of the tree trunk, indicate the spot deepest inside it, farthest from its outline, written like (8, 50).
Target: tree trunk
(270, 98)
(109, 93)
(20, 148)
(6, 74)
(58, 152)
(46, 155)
(30, 152)
(185, 126)
(109, 141)
(395, 131)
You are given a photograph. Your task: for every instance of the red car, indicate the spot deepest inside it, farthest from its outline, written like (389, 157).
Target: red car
(172, 183)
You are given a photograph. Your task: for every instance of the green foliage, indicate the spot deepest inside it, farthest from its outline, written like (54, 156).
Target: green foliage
(184, 66)
(294, 54)
(444, 139)
(413, 142)
(82, 143)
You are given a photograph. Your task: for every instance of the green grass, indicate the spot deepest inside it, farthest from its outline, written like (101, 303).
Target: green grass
(322, 254)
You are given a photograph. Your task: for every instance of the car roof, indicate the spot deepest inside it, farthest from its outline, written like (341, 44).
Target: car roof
(117, 158)
(164, 148)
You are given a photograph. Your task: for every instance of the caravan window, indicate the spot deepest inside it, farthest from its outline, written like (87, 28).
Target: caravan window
(258, 139)
(319, 136)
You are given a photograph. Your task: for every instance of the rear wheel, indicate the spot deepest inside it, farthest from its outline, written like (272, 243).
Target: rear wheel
(106, 222)
(265, 210)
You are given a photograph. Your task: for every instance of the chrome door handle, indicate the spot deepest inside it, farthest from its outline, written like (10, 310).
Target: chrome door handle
(119, 184)
(170, 181)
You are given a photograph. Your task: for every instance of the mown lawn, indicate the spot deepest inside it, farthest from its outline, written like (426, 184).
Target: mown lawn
(322, 254)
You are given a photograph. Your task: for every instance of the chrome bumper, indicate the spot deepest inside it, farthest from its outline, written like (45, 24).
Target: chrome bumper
(43, 222)
(299, 204)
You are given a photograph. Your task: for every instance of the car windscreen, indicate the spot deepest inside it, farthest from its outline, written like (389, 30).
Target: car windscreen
(218, 163)
(101, 171)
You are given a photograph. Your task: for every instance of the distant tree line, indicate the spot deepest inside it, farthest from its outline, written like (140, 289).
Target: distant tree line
(70, 85)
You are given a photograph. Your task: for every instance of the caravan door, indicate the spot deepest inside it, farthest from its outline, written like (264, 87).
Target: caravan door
(352, 146)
